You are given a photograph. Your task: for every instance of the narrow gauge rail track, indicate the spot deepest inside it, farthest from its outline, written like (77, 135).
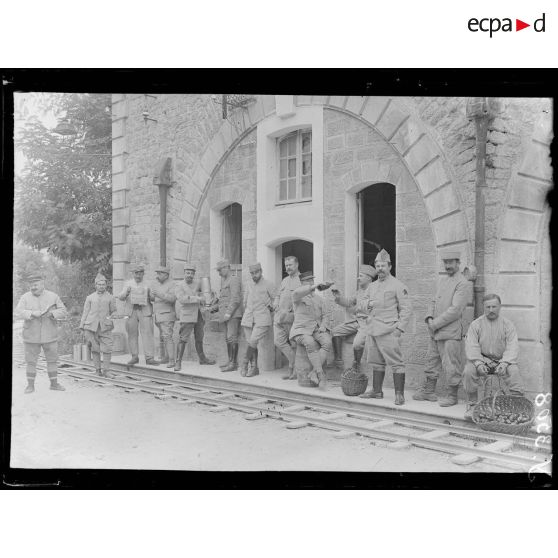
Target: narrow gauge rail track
(466, 444)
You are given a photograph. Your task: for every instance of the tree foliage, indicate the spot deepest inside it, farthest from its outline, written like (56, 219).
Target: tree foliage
(63, 193)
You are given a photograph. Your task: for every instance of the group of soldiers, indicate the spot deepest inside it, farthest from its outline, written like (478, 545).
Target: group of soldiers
(379, 314)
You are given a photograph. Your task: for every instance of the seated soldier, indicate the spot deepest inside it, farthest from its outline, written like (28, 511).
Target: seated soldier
(491, 347)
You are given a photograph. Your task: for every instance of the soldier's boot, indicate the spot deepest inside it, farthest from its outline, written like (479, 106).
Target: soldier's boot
(233, 364)
(246, 362)
(151, 361)
(106, 366)
(450, 399)
(322, 380)
(201, 355)
(98, 372)
(377, 383)
(337, 343)
(31, 374)
(179, 354)
(357, 352)
(30, 386)
(169, 347)
(163, 352)
(133, 360)
(55, 385)
(291, 356)
(399, 385)
(229, 348)
(426, 390)
(472, 399)
(254, 370)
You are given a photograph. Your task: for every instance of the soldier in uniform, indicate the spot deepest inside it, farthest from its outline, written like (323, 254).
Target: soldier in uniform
(96, 322)
(40, 309)
(229, 307)
(391, 309)
(358, 306)
(284, 315)
(257, 319)
(189, 298)
(162, 296)
(139, 310)
(311, 326)
(444, 321)
(491, 347)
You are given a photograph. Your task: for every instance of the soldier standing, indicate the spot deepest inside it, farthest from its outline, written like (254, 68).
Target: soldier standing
(311, 325)
(229, 307)
(139, 310)
(189, 297)
(163, 298)
(256, 320)
(390, 313)
(284, 315)
(40, 309)
(444, 321)
(358, 305)
(97, 325)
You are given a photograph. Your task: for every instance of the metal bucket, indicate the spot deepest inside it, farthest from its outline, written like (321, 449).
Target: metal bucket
(85, 352)
(205, 287)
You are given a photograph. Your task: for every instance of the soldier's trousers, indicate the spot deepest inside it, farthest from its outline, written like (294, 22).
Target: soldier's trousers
(281, 339)
(32, 351)
(255, 334)
(512, 378)
(100, 342)
(317, 345)
(232, 330)
(385, 350)
(166, 330)
(186, 329)
(138, 323)
(350, 328)
(444, 355)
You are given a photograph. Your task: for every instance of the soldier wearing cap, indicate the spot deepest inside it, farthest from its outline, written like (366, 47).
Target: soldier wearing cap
(445, 325)
(311, 325)
(138, 308)
(390, 305)
(96, 322)
(257, 319)
(40, 309)
(284, 315)
(229, 308)
(189, 298)
(358, 307)
(161, 294)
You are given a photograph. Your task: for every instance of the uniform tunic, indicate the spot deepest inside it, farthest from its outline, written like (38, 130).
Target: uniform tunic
(284, 316)
(445, 344)
(189, 314)
(230, 302)
(357, 306)
(257, 314)
(96, 323)
(391, 310)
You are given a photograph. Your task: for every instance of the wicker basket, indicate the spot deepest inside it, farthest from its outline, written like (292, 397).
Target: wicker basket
(353, 383)
(492, 412)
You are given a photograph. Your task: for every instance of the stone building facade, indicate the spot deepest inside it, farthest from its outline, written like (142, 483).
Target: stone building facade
(403, 168)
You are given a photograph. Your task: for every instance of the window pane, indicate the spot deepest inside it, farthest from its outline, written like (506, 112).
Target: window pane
(292, 188)
(306, 186)
(292, 145)
(307, 143)
(292, 168)
(283, 168)
(283, 148)
(282, 190)
(307, 164)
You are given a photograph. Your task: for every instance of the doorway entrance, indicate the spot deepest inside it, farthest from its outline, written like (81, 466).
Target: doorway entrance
(302, 250)
(377, 223)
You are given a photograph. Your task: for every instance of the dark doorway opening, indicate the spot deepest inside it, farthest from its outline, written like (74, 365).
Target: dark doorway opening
(302, 250)
(377, 220)
(232, 233)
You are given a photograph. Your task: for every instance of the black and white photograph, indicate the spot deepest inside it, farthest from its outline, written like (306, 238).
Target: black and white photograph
(232, 281)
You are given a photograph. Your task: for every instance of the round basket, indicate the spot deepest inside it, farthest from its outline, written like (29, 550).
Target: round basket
(506, 414)
(353, 383)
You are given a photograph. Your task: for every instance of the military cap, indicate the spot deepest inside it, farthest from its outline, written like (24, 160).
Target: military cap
(162, 269)
(254, 267)
(450, 255)
(34, 276)
(305, 275)
(100, 277)
(368, 270)
(383, 256)
(137, 267)
(191, 266)
(221, 264)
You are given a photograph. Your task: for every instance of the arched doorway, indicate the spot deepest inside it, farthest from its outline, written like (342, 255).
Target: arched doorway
(302, 250)
(377, 223)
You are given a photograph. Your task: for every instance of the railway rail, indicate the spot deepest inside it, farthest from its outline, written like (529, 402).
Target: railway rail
(398, 430)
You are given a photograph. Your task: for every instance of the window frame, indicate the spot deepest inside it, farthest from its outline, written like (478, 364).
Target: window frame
(299, 155)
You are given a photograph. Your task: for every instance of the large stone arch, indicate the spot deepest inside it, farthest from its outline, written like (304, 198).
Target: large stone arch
(391, 118)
